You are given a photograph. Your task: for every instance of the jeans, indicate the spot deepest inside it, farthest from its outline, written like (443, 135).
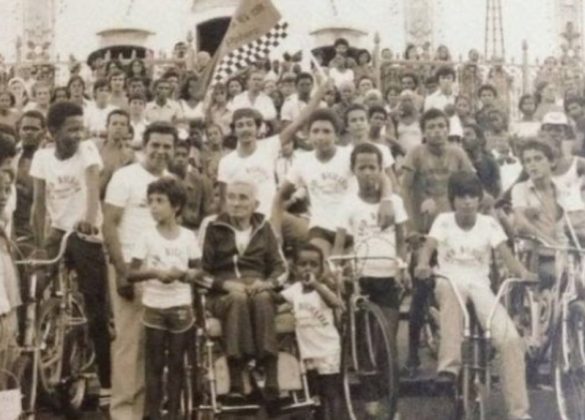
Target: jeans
(89, 262)
(504, 336)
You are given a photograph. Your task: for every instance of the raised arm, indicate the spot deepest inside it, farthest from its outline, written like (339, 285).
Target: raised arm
(287, 135)
(278, 206)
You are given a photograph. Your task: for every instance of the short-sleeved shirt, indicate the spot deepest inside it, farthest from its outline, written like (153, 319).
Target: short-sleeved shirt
(466, 254)
(326, 182)
(259, 167)
(360, 219)
(315, 328)
(168, 112)
(158, 252)
(65, 183)
(127, 190)
(263, 104)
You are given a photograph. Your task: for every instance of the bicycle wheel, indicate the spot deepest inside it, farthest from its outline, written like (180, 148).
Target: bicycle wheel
(431, 332)
(569, 363)
(66, 354)
(23, 370)
(473, 396)
(370, 383)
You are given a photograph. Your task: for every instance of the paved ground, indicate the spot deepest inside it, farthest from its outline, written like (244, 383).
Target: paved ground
(415, 406)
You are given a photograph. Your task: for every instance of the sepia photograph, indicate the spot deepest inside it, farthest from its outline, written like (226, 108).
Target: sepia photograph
(292, 210)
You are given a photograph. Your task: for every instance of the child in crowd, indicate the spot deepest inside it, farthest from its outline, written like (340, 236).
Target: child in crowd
(464, 241)
(380, 280)
(319, 342)
(164, 258)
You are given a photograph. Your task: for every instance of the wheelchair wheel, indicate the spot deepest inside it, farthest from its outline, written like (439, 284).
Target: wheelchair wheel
(369, 373)
(473, 397)
(430, 331)
(569, 363)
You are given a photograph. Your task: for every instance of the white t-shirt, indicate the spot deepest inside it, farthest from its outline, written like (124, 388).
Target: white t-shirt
(259, 166)
(262, 103)
(465, 255)
(161, 253)
(127, 189)
(341, 77)
(360, 219)
(327, 184)
(243, 239)
(315, 330)
(409, 135)
(387, 162)
(66, 189)
(95, 118)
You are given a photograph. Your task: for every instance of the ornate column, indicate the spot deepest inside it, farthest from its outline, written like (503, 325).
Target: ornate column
(38, 30)
(569, 27)
(418, 21)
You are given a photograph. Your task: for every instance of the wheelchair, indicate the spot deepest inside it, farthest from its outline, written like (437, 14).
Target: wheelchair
(210, 373)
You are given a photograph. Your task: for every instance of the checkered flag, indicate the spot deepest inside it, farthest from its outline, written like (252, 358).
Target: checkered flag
(256, 28)
(250, 53)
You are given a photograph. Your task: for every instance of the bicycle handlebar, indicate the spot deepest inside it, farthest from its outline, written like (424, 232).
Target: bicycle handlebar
(53, 261)
(337, 259)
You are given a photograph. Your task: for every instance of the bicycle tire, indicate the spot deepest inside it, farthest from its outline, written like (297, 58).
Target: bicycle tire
(23, 370)
(378, 378)
(66, 354)
(569, 373)
(474, 397)
(431, 332)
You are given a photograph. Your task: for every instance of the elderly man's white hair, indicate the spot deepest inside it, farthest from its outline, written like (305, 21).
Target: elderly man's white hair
(247, 182)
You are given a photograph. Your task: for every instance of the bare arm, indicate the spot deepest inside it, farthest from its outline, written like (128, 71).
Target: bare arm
(408, 196)
(287, 134)
(112, 219)
(278, 207)
(511, 262)
(92, 180)
(39, 211)
(327, 295)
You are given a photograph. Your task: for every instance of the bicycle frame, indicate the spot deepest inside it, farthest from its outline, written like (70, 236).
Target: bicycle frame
(32, 344)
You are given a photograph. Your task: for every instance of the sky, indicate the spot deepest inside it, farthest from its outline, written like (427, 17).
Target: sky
(460, 23)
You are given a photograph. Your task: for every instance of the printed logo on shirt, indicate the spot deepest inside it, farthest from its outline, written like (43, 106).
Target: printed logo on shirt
(330, 183)
(63, 188)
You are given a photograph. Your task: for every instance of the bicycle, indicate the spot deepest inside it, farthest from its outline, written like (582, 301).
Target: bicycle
(476, 351)
(57, 336)
(368, 362)
(552, 322)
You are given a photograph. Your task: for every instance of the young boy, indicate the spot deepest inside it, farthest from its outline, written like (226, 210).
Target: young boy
(319, 343)
(164, 257)
(464, 240)
(358, 217)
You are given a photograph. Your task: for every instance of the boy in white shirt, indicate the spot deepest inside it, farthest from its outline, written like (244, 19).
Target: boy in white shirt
(164, 257)
(66, 189)
(96, 114)
(326, 174)
(464, 240)
(319, 342)
(380, 280)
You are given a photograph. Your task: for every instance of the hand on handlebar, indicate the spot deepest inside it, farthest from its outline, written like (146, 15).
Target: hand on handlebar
(86, 228)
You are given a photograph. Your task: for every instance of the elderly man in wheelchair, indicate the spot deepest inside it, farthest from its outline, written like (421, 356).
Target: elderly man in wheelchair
(243, 258)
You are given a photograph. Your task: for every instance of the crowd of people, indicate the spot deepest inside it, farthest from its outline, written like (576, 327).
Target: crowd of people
(247, 188)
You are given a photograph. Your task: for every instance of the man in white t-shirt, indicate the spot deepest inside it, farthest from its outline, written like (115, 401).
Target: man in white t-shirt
(126, 216)
(464, 241)
(255, 158)
(96, 113)
(66, 188)
(326, 174)
(254, 98)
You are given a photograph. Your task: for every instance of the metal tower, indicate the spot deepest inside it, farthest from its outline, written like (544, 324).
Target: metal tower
(494, 46)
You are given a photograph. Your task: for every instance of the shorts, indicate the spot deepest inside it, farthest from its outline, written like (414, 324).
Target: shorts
(328, 365)
(327, 235)
(175, 320)
(383, 291)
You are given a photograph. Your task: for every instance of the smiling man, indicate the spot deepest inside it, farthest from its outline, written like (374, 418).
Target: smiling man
(126, 215)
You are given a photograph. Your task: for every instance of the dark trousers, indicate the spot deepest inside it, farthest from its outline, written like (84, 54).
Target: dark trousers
(89, 262)
(247, 323)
